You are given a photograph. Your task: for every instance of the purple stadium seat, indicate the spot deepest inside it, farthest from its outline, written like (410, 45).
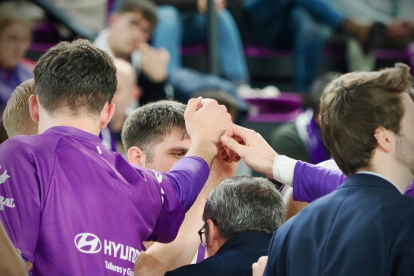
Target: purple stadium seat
(284, 108)
(406, 54)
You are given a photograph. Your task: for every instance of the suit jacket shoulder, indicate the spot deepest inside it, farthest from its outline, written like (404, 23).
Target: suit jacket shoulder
(235, 257)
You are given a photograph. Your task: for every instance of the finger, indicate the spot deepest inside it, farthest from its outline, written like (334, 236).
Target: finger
(232, 144)
(206, 101)
(239, 131)
(262, 260)
(226, 157)
(164, 53)
(231, 154)
(192, 106)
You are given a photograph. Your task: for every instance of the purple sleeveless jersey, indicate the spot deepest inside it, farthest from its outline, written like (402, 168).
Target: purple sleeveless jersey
(75, 208)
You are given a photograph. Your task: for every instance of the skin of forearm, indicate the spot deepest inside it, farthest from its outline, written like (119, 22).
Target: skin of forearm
(10, 261)
(206, 150)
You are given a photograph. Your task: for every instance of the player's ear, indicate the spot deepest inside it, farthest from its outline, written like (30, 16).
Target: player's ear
(136, 156)
(34, 108)
(106, 114)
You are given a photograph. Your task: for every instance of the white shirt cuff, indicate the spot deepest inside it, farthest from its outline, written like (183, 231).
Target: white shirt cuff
(283, 169)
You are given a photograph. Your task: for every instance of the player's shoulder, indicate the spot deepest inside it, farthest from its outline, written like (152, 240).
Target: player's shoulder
(30, 144)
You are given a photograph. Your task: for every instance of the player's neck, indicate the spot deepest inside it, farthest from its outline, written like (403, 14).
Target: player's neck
(85, 123)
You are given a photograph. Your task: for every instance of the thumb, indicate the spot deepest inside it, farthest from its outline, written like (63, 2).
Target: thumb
(232, 144)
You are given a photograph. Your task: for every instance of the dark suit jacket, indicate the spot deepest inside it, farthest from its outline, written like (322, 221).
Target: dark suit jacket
(235, 257)
(365, 227)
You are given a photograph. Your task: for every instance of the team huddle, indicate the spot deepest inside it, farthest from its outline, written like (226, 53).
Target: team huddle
(71, 206)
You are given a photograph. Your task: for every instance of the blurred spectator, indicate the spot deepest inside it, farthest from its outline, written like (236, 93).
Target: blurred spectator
(294, 24)
(15, 38)
(184, 22)
(127, 36)
(302, 140)
(91, 13)
(126, 94)
(398, 17)
(240, 215)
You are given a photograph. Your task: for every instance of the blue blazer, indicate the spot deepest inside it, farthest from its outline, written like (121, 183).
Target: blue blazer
(235, 257)
(365, 227)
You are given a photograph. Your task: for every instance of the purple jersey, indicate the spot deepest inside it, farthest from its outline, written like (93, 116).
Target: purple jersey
(311, 182)
(73, 207)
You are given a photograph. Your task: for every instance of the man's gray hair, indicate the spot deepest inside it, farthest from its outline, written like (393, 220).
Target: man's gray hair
(244, 203)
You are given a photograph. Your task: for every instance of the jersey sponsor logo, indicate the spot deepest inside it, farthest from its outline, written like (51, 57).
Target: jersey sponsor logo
(4, 176)
(88, 243)
(8, 202)
(91, 244)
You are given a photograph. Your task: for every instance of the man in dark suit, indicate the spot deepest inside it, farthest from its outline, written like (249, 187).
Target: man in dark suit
(240, 215)
(365, 227)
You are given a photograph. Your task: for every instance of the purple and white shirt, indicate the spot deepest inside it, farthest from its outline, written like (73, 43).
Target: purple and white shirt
(73, 207)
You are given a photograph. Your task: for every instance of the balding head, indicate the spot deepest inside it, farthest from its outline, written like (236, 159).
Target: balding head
(125, 89)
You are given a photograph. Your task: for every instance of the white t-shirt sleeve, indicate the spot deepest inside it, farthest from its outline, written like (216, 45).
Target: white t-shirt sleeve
(283, 169)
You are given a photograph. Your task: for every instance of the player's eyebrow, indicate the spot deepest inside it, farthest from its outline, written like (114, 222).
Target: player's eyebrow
(178, 149)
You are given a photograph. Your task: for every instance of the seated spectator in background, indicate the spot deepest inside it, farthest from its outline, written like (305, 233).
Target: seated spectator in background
(16, 116)
(294, 24)
(155, 137)
(185, 23)
(127, 36)
(126, 94)
(92, 13)
(15, 38)
(397, 16)
(302, 140)
(74, 86)
(240, 215)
